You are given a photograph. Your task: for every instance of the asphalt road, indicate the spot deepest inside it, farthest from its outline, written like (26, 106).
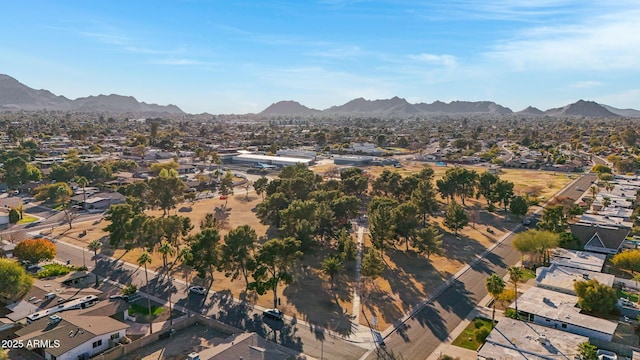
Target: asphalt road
(315, 342)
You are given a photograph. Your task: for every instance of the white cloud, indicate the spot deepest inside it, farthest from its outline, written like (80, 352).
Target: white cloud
(179, 62)
(444, 60)
(607, 42)
(586, 84)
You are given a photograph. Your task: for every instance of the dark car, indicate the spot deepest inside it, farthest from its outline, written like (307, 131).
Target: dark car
(273, 313)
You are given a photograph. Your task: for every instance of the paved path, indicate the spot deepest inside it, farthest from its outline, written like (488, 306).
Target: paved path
(356, 283)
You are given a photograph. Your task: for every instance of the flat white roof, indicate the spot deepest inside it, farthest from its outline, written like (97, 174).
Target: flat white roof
(561, 307)
(265, 158)
(562, 277)
(578, 259)
(514, 339)
(605, 220)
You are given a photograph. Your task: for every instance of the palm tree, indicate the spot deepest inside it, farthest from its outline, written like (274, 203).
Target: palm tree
(143, 260)
(166, 250)
(594, 190)
(94, 246)
(83, 182)
(495, 286)
(515, 276)
(606, 201)
(331, 266)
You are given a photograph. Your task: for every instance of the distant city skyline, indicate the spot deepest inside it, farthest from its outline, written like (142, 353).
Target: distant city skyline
(242, 56)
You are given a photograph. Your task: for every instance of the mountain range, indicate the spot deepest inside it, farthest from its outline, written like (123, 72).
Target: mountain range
(398, 107)
(17, 96)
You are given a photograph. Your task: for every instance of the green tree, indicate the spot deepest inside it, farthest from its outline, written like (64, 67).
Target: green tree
(226, 186)
(83, 182)
(166, 190)
(15, 281)
(588, 351)
(519, 206)
(325, 220)
(455, 217)
(405, 217)
(495, 286)
(332, 266)
(14, 216)
(569, 241)
(238, 253)
(516, 274)
(458, 181)
(205, 253)
(260, 186)
(94, 246)
(347, 246)
(554, 219)
(381, 222)
(143, 260)
(595, 297)
(428, 240)
(275, 261)
(424, 197)
(536, 243)
(119, 215)
(372, 265)
(165, 249)
(354, 182)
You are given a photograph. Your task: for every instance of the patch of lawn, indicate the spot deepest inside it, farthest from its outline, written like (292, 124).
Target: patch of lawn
(27, 219)
(467, 339)
(627, 295)
(143, 310)
(528, 274)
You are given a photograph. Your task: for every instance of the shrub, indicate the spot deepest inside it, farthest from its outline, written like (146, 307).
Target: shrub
(14, 216)
(129, 289)
(481, 334)
(478, 323)
(53, 270)
(511, 313)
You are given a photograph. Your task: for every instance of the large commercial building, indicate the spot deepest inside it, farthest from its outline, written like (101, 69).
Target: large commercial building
(254, 159)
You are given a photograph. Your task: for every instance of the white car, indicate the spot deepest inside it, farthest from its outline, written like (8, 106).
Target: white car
(197, 290)
(273, 313)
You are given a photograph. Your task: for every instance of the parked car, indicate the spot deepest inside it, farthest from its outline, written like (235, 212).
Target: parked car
(526, 222)
(273, 313)
(197, 290)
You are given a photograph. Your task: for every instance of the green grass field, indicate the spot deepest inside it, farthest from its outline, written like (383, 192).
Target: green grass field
(27, 219)
(467, 339)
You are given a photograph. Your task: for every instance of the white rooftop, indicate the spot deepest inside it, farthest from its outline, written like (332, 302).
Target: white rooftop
(605, 220)
(514, 339)
(578, 259)
(273, 158)
(561, 307)
(563, 278)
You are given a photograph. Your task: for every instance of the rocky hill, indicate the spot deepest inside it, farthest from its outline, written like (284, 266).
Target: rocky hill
(582, 108)
(287, 107)
(17, 96)
(530, 110)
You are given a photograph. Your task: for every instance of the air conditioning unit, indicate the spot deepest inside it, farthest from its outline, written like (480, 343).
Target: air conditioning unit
(193, 356)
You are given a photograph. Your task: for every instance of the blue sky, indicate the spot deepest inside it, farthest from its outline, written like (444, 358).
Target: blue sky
(240, 56)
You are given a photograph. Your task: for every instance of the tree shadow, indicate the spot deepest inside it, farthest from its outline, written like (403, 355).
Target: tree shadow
(323, 308)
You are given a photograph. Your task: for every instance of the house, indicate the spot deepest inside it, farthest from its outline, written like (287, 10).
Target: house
(562, 279)
(514, 339)
(246, 346)
(4, 220)
(584, 260)
(67, 336)
(600, 239)
(559, 311)
(605, 220)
